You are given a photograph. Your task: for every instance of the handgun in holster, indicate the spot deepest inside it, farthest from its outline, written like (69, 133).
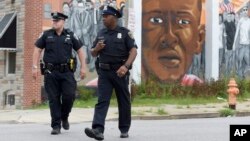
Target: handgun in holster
(42, 67)
(97, 65)
(72, 64)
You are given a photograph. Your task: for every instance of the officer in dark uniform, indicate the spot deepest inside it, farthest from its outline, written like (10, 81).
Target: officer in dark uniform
(58, 69)
(116, 50)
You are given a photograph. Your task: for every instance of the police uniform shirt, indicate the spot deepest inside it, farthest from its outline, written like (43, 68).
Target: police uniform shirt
(58, 49)
(118, 43)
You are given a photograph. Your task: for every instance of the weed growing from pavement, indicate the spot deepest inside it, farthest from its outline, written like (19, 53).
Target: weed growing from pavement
(227, 112)
(137, 112)
(161, 111)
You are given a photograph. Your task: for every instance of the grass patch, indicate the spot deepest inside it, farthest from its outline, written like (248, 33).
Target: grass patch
(227, 112)
(161, 111)
(181, 103)
(133, 112)
(44, 105)
(90, 103)
(179, 107)
(137, 102)
(157, 94)
(140, 102)
(149, 110)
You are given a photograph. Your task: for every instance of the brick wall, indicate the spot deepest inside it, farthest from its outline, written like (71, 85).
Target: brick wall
(56, 5)
(29, 26)
(33, 28)
(13, 83)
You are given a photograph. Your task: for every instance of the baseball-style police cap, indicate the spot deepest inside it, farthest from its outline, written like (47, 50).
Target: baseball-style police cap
(108, 10)
(58, 16)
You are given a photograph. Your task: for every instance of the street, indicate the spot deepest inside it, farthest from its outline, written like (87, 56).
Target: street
(206, 129)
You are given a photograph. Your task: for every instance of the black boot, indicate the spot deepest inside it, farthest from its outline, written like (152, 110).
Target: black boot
(55, 131)
(94, 133)
(124, 135)
(65, 124)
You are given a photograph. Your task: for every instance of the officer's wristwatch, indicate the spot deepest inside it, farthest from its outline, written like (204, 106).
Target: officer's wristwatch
(34, 67)
(127, 66)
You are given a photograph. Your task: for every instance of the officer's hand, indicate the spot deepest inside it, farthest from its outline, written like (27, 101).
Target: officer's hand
(122, 71)
(34, 73)
(100, 45)
(82, 73)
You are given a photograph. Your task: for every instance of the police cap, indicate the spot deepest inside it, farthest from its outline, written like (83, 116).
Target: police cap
(58, 16)
(108, 10)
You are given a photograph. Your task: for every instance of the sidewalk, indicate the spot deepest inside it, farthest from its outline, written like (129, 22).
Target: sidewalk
(146, 113)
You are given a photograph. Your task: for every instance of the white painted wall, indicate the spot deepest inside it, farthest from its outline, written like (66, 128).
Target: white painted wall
(212, 40)
(136, 71)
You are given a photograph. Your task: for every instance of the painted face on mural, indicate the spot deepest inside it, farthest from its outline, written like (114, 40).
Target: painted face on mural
(66, 9)
(220, 19)
(230, 17)
(244, 11)
(172, 34)
(74, 3)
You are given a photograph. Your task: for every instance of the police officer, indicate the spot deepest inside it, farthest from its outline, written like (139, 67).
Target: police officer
(60, 84)
(116, 49)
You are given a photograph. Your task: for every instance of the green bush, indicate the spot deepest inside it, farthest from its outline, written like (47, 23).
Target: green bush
(85, 93)
(152, 89)
(227, 112)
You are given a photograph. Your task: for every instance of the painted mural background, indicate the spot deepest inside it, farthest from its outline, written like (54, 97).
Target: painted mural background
(173, 34)
(163, 29)
(85, 20)
(234, 49)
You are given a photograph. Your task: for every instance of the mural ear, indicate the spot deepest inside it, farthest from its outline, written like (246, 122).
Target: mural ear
(201, 38)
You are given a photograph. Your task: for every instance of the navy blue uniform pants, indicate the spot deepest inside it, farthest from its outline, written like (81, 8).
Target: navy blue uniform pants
(60, 88)
(107, 81)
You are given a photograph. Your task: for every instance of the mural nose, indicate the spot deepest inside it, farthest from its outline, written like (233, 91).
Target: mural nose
(164, 44)
(168, 40)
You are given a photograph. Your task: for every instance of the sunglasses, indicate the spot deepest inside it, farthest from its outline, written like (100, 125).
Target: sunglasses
(244, 9)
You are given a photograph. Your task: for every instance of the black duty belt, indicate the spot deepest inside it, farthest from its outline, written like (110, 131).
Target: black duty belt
(59, 67)
(105, 66)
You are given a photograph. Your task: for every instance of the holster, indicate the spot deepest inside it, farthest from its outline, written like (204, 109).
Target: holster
(97, 65)
(42, 67)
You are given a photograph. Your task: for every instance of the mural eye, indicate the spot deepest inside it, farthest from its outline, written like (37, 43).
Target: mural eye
(183, 22)
(156, 20)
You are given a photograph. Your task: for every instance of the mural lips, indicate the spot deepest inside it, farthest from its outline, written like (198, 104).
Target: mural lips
(170, 59)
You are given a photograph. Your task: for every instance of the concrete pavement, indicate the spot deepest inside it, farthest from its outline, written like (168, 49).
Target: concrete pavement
(147, 113)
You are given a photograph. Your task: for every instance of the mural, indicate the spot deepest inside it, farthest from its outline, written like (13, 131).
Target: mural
(234, 50)
(172, 39)
(85, 20)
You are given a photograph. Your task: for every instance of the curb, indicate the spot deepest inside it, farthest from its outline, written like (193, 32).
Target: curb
(153, 117)
(187, 116)
(242, 114)
(180, 116)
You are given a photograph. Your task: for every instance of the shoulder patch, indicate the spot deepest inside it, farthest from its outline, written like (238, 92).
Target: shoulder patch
(130, 34)
(75, 36)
